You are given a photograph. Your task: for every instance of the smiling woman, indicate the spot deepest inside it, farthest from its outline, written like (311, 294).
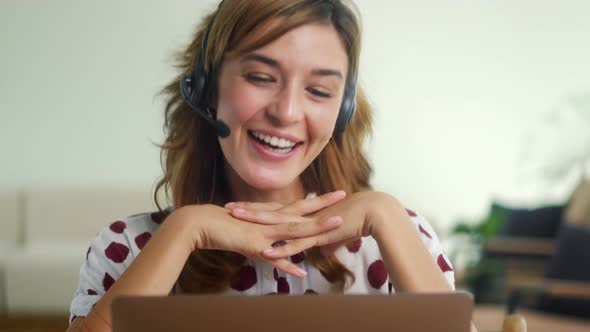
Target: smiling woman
(289, 93)
(268, 115)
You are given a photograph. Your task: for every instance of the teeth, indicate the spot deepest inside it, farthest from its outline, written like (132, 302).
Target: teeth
(278, 142)
(280, 150)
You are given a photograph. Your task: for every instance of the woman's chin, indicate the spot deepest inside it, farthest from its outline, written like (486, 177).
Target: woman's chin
(269, 183)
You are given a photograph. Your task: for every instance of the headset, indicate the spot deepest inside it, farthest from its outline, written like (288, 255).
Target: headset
(196, 88)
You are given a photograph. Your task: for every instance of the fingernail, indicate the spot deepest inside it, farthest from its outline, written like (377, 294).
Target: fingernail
(269, 251)
(230, 205)
(239, 211)
(301, 272)
(334, 221)
(340, 193)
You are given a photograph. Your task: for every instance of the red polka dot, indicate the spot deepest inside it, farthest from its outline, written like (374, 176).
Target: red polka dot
(442, 263)
(376, 274)
(423, 231)
(283, 286)
(411, 213)
(92, 292)
(117, 252)
(159, 217)
(310, 292)
(244, 279)
(296, 259)
(118, 227)
(355, 246)
(107, 281)
(275, 274)
(142, 239)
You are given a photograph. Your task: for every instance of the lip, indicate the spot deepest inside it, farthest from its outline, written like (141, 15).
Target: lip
(269, 155)
(270, 132)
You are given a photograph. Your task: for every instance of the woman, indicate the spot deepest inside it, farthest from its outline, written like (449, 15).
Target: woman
(268, 117)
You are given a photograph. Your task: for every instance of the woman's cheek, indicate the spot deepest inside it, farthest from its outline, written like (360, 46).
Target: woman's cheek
(246, 101)
(324, 121)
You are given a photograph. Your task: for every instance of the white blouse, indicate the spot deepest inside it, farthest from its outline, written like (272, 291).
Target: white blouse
(116, 246)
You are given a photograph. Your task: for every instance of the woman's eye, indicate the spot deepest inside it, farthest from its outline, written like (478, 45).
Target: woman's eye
(257, 78)
(319, 93)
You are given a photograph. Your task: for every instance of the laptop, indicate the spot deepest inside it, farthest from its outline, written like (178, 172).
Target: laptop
(304, 313)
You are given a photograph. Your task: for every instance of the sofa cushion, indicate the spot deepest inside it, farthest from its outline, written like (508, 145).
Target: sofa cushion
(569, 263)
(571, 260)
(10, 206)
(42, 278)
(79, 215)
(540, 222)
(10, 235)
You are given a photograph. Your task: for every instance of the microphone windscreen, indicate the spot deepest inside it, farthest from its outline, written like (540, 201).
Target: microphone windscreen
(222, 129)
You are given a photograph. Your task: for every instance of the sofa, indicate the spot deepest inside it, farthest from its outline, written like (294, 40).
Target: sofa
(544, 266)
(44, 236)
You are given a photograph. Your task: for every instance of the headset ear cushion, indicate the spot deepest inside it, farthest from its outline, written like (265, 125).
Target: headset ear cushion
(186, 88)
(347, 109)
(199, 90)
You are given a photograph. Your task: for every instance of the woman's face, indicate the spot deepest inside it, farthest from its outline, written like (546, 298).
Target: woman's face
(281, 103)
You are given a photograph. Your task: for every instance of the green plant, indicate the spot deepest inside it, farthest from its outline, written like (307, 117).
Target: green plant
(480, 272)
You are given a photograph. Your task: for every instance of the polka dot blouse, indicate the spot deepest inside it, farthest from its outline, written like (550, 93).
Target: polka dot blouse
(116, 246)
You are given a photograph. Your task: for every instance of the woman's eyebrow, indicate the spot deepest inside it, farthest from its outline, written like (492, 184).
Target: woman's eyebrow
(256, 57)
(327, 72)
(260, 58)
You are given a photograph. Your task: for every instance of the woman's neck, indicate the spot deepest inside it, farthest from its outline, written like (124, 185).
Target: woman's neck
(240, 191)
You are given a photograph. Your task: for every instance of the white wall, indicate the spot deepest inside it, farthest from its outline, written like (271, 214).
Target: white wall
(455, 85)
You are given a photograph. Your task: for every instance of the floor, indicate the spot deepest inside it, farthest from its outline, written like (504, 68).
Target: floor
(33, 324)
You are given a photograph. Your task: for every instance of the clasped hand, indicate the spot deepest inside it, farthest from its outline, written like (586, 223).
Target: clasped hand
(328, 221)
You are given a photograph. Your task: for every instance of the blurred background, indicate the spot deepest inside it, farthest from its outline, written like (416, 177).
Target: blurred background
(482, 124)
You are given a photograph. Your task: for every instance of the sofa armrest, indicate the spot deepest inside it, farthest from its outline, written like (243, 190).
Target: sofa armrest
(555, 288)
(520, 246)
(567, 288)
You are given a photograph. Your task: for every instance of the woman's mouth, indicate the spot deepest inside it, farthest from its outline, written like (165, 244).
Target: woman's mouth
(272, 143)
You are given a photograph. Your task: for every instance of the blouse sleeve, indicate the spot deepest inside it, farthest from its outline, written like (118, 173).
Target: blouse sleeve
(108, 256)
(433, 245)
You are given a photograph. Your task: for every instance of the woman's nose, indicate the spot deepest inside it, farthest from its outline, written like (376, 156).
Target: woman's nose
(286, 109)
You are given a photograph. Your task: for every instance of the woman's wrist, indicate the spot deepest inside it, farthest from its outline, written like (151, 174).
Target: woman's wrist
(382, 211)
(190, 223)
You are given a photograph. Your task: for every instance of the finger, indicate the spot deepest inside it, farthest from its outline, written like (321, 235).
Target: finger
(270, 206)
(292, 248)
(288, 267)
(298, 230)
(267, 217)
(311, 205)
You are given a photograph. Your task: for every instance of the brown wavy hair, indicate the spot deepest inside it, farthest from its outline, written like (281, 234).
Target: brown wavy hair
(191, 156)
